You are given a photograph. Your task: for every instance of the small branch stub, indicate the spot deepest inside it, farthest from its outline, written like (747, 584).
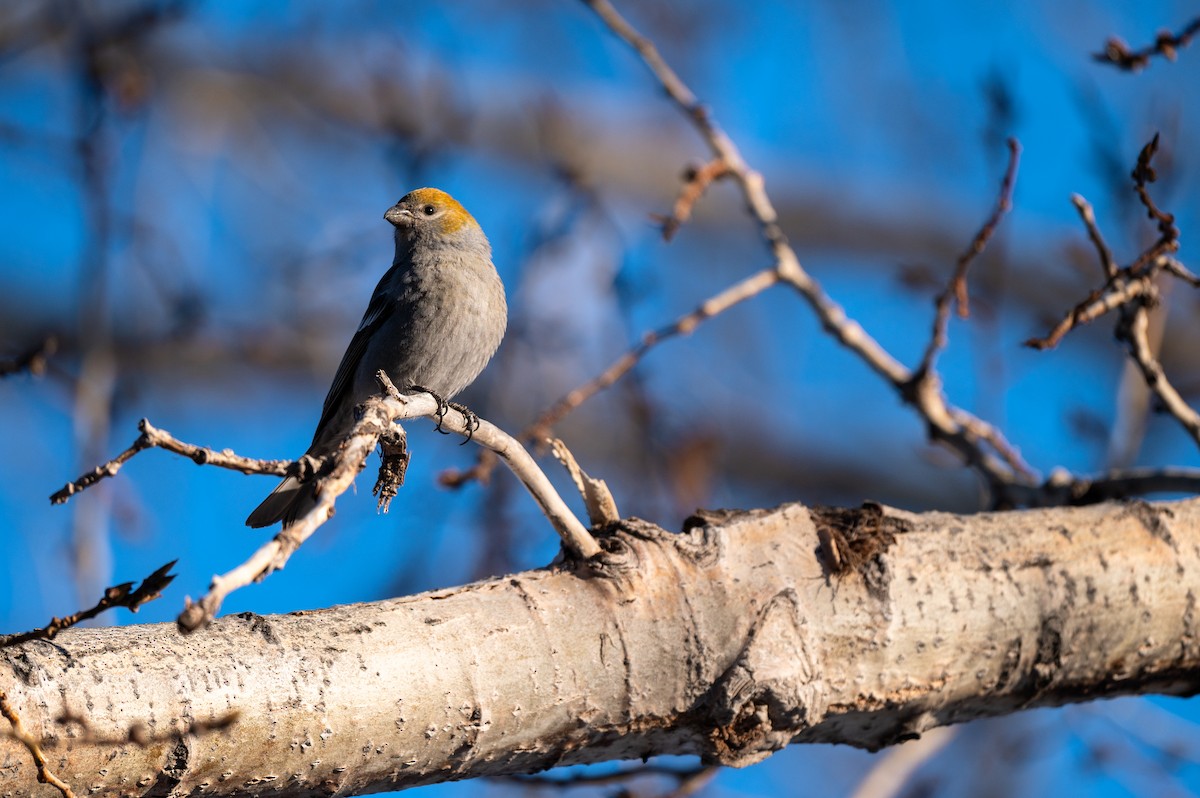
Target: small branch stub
(601, 507)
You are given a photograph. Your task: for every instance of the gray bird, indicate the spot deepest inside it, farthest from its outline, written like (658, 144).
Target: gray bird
(435, 320)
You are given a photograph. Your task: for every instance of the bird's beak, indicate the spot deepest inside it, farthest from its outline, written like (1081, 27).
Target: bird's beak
(398, 216)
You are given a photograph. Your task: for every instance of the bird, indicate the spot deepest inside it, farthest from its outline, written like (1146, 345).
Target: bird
(433, 323)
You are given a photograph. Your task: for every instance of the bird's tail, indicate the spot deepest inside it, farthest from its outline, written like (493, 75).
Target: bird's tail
(286, 503)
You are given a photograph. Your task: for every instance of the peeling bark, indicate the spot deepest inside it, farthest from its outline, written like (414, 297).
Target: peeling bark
(743, 634)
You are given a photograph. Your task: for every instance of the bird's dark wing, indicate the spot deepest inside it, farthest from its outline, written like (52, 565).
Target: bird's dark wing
(378, 312)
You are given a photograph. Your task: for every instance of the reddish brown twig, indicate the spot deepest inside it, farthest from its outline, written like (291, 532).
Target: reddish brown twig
(1166, 44)
(696, 180)
(44, 774)
(122, 595)
(956, 289)
(1132, 285)
(1168, 234)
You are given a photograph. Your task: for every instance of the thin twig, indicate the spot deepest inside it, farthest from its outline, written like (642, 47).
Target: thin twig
(735, 294)
(1093, 307)
(1168, 239)
(122, 595)
(1177, 269)
(1064, 488)
(152, 438)
(696, 180)
(32, 359)
(597, 498)
(1166, 44)
(1107, 261)
(956, 289)
(44, 775)
(376, 417)
(1135, 333)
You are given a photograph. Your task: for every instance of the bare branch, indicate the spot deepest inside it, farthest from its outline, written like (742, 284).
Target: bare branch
(1177, 269)
(1064, 488)
(733, 295)
(122, 595)
(944, 422)
(956, 289)
(1168, 241)
(696, 180)
(154, 438)
(1107, 262)
(1134, 332)
(1131, 290)
(1166, 44)
(1093, 307)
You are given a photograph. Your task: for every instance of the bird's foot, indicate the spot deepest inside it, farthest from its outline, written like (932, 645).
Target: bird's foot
(469, 418)
(442, 404)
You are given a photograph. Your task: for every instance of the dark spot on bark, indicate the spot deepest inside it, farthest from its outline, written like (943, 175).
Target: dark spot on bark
(173, 770)
(1069, 588)
(1151, 518)
(702, 518)
(22, 667)
(259, 625)
(1189, 620)
(1047, 659)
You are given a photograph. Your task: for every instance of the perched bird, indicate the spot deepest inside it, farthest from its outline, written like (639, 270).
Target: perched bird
(434, 321)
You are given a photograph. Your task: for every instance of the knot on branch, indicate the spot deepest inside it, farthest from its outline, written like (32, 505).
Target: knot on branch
(767, 697)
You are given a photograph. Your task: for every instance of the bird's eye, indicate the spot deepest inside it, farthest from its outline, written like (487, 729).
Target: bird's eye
(429, 210)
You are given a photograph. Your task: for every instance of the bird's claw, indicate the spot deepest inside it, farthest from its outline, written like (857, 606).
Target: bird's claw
(442, 405)
(469, 418)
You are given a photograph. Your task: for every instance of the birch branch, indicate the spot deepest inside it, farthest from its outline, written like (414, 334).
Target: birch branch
(729, 641)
